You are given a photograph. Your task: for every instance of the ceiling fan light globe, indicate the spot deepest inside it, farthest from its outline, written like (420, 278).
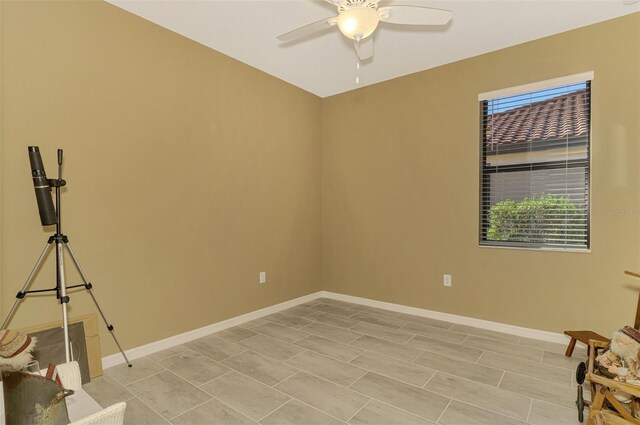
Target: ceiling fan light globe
(358, 22)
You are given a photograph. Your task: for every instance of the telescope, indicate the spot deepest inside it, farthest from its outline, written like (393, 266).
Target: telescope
(42, 187)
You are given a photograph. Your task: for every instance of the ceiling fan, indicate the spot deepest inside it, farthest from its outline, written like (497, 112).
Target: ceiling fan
(358, 19)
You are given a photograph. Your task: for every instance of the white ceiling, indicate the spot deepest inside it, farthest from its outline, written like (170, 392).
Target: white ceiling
(326, 64)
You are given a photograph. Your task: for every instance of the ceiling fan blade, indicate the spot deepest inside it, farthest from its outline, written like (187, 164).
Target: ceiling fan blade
(309, 29)
(414, 15)
(364, 48)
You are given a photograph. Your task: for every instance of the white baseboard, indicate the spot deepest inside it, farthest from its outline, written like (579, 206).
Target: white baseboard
(453, 318)
(172, 341)
(145, 350)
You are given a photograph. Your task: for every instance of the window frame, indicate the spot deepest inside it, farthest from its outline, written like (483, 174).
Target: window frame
(485, 170)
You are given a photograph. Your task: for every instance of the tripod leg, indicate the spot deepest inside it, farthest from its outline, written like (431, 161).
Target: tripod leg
(89, 287)
(26, 285)
(64, 299)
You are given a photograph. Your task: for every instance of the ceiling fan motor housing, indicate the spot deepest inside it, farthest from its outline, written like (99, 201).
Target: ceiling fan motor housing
(347, 4)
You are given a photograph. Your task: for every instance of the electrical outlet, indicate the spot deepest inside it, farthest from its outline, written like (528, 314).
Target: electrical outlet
(447, 280)
(263, 277)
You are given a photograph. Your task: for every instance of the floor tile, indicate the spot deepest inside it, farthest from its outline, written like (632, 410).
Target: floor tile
(339, 303)
(253, 323)
(437, 346)
(260, 367)
(245, 395)
(390, 322)
(235, 334)
(296, 413)
(330, 348)
(376, 413)
(333, 333)
(311, 303)
(543, 413)
(382, 332)
(194, 367)
(167, 394)
(325, 367)
(334, 309)
(167, 353)
(431, 332)
(459, 413)
(561, 395)
(142, 368)
(333, 320)
(214, 347)
(212, 412)
(287, 320)
(138, 413)
(299, 311)
(525, 367)
(393, 368)
(434, 323)
(471, 371)
(491, 398)
(283, 333)
(485, 333)
(333, 399)
(276, 349)
(559, 360)
(404, 396)
(552, 347)
(504, 348)
(398, 351)
(378, 311)
(106, 391)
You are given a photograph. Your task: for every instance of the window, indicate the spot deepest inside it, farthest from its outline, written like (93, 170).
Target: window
(535, 156)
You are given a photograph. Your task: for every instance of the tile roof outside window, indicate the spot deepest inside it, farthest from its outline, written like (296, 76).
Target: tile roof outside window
(549, 119)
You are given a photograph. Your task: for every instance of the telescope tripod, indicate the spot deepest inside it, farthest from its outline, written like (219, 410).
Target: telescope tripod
(60, 289)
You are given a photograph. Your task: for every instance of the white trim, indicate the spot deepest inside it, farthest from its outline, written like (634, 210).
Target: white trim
(145, 350)
(172, 341)
(539, 248)
(539, 85)
(454, 318)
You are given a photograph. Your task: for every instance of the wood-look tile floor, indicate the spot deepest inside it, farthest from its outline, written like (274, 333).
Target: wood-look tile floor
(332, 362)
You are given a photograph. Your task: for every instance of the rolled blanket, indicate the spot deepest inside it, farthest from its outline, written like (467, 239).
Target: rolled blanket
(15, 349)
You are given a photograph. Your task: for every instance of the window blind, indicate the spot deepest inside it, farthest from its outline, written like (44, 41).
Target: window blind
(535, 165)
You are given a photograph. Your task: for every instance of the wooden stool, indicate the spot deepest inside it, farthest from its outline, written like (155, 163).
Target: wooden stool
(583, 337)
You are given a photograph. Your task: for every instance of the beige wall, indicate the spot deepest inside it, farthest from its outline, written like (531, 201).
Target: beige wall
(188, 172)
(400, 190)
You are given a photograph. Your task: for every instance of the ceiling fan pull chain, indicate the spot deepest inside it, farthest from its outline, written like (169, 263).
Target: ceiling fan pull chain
(357, 43)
